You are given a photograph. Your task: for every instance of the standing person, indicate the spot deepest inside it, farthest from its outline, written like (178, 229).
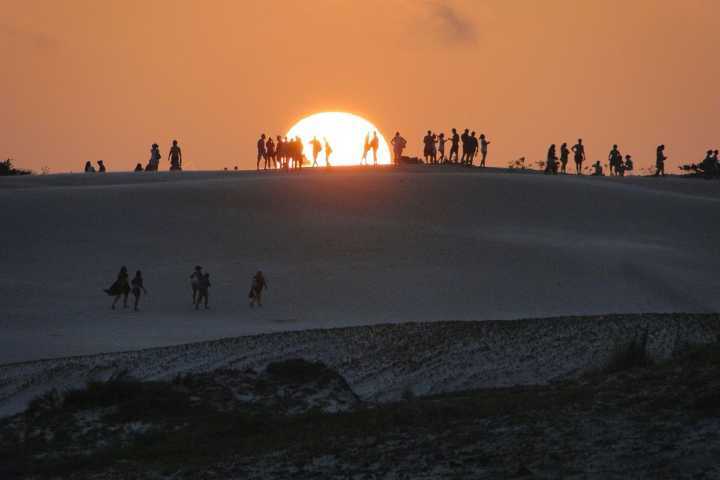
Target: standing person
(660, 160)
(316, 149)
(374, 145)
(483, 149)
(137, 288)
(398, 143)
(466, 145)
(473, 144)
(613, 159)
(629, 166)
(203, 294)
(441, 147)
(256, 287)
(195, 282)
(551, 165)
(579, 150)
(299, 153)
(366, 149)
(454, 146)
(261, 152)
(120, 288)
(280, 152)
(429, 144)
(154, 161)
(328, 152)
(175, 156)
(89, 168)
(270, 152)
(564, 155)
(101, 166)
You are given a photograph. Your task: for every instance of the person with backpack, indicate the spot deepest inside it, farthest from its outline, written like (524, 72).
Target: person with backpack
(137, 288)
(120, 288)
(203, 294)
(256, 288)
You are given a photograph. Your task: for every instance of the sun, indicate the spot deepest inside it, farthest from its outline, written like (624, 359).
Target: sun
(346, 134)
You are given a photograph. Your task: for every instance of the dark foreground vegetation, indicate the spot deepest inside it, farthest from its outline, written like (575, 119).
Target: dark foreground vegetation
(7, 168)
(634, 418)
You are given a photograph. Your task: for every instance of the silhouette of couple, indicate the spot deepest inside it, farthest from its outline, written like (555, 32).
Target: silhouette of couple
(370, 144)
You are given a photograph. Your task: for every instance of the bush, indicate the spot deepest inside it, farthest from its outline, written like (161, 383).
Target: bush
(631, 355)
(6, 169)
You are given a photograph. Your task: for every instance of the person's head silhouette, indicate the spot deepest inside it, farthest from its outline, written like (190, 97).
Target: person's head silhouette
(174, 143)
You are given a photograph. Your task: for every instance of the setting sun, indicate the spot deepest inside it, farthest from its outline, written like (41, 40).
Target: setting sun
(346, 134)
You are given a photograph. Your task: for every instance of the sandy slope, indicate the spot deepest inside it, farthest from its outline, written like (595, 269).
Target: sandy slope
(382, 362)
(346, 248)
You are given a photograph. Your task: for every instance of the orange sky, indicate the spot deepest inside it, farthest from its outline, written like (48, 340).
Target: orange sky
(90, 79)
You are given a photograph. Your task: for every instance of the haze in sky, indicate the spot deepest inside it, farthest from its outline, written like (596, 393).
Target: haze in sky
(101, 79)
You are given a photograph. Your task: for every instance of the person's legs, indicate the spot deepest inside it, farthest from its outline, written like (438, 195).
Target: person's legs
(125, 299)
(259, 298)
(137, 300)
(484, 156)
(115, 300)
(206, 295)
(195, 293)
(259, 157)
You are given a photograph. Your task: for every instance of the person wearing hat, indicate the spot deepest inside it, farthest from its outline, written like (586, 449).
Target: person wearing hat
(195, 282)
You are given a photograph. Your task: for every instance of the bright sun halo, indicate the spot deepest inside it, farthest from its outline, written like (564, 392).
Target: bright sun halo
(346, 134)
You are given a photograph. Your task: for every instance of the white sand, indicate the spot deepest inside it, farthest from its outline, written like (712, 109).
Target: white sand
(346, 248)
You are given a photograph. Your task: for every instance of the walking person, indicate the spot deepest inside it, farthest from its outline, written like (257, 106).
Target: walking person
(366, 149)
(454, 146)
(564, 155)
(120, 288)
(175, 157)
(483, 149)
(464, 138)
(473, 145)
(195, 282)
(429, 144)
(660, 160)
(614, 158)
(203, 294)
(316, 149)
(579, 150)
(138, 288)
(441, 147)
(256, 288)
(270, 152)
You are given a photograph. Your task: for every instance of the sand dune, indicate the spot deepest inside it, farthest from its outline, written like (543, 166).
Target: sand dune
(345, 248)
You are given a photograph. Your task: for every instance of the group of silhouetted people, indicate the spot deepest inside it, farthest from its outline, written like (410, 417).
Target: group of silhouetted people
(90, 169)
(286, 154)
(199, 283)
(153, 164)
(434, 146)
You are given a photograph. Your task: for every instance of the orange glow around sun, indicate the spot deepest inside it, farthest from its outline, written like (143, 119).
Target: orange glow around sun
(346, 134)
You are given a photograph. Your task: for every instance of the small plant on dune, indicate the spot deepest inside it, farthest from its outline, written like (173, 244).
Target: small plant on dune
(630, 355)
(7, 168)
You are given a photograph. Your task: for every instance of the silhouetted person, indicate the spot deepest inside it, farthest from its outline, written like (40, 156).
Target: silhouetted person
(483, 149)
(465, 144)
(614, 158)
(328, 152)
(270, 153)
(374, 145)
(300, 155)
(564, 155)
(551, 164)
(154, 163)
(280, 152)
(316, 149)
(473, 146)
(716, 165)
(256, 288)
(138, 167)
(120, 288)
(597, 169)
(398, 144)
(89, 168)
(629, 165)
(195, 282)
(366, 149)
(175, 155)
(454, 146)
(428, 146)
(579, 150)
(441, 147)
(137, 288)
(203, 293)
(101, 166)
(261, 155)
(660, 160)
